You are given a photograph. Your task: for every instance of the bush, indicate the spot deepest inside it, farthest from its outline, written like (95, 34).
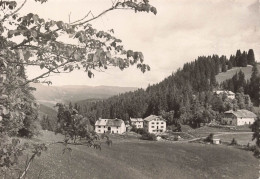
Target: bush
(209, 138)
(138, 130)
(257, 152)
(148, 136)
(233, 142)
(175, 138)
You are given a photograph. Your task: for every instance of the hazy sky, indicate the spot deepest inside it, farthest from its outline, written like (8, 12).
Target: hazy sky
(181, 31)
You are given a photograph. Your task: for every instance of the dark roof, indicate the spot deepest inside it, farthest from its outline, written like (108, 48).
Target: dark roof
(242, 113)
(153, 117)
(109, 122)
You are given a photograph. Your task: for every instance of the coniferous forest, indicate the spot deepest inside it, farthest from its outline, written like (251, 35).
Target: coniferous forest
(187, 96)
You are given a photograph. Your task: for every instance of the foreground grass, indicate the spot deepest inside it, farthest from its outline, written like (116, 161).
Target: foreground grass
(132, 158)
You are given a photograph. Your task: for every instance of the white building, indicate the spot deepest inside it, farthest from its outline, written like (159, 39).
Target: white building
(154, 124)
(110, 125)
(229, 94)
(239, 117)
(137, 122)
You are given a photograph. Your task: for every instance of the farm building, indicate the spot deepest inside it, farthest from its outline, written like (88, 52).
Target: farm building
(137, 122)
(229, 94)
(154, 124)
(110, 125)
(239, 117)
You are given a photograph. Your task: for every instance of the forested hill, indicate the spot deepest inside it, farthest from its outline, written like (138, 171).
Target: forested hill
(189, 88)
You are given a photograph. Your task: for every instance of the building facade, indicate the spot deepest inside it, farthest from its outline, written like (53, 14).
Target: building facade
(239, 117)
(229, 94)
(113, 126)
(154, 124)
(137, 122)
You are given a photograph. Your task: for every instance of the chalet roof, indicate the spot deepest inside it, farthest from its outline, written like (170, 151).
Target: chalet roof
(153, 117)
(109, 122)
(136, 120)
(242, 113)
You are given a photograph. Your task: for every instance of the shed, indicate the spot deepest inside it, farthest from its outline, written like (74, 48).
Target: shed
(216, 141)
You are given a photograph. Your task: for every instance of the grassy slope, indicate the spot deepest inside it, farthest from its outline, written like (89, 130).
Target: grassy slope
(230, 73)
(143, 159)
(45, 110)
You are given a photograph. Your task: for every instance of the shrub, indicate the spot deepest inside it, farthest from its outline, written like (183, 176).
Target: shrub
(209, 138)
(257, 152)
(134, 129)
(233, 142)
(175, 138)
(148, 136)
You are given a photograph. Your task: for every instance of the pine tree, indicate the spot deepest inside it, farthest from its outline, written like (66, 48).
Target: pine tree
(251, 57)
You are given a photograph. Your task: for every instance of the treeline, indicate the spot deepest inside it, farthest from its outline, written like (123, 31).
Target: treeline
(184, 97)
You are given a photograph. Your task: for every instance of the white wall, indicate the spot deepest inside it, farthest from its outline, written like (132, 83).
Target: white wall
(238, 121)
(156, 126)
(138, 124)
(243, 121)
(115, 130)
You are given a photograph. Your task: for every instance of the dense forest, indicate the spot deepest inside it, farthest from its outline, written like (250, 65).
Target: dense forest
(187, 96)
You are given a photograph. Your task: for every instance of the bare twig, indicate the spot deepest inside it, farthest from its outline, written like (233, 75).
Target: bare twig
(81, 19)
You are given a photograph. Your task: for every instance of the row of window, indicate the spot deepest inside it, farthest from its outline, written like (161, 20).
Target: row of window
(105, 127)
(105, 131)
(158, 122)
(154, 126)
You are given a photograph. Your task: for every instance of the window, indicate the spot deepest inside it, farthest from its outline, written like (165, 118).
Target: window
(116, 131)
(157, 123)
(117, 127)
(161, 122)
(152, 126)
(152, 122)
(99, 126)
(161, 126)
(98, 130)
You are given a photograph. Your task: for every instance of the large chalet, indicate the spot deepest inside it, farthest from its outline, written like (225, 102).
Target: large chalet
(239, 117)
(154, 124)
(110, 125)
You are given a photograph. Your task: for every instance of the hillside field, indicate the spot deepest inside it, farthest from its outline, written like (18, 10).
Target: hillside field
(133, 158)
(230, 73)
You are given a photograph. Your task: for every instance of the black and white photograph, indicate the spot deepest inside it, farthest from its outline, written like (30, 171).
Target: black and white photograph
(130, 89)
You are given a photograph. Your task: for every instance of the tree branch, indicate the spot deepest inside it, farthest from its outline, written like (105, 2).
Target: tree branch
(18, 9)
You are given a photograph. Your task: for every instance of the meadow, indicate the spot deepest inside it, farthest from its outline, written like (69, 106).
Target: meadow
(130, 157)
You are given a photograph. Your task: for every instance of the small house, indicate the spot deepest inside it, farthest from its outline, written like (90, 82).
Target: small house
(154, 124)
(239, 117)
(229, 94)
(110, 125)
(216, 141)
(137, 122)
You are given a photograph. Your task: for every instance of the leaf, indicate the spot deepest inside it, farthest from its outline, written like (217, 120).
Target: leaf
(76, 56)
(90, 74)
(42, 65)
(27, 55)
(60, 24)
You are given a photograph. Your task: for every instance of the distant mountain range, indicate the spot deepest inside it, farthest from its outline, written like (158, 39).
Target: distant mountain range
(50, 95)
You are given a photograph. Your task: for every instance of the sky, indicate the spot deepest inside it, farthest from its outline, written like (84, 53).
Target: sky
(181, 31)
